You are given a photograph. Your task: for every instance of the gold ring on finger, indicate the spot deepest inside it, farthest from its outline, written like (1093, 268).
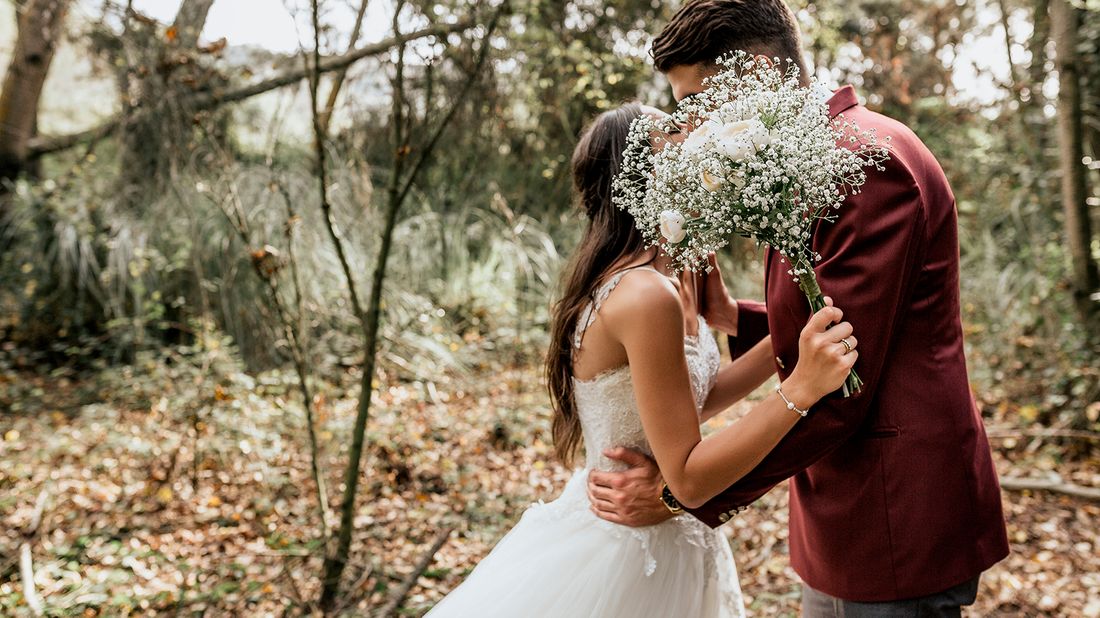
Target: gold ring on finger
(847, 346)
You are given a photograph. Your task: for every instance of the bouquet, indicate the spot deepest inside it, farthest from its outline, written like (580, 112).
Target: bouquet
(762, 160)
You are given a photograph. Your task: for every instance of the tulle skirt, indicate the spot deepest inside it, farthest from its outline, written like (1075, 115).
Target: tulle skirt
(561, 560)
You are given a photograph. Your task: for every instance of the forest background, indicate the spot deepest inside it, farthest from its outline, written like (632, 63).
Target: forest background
(275, 277)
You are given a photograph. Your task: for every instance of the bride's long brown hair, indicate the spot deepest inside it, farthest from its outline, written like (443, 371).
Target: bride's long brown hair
(609, 238)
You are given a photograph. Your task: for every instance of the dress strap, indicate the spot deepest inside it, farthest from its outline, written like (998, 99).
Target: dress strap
(588, 316)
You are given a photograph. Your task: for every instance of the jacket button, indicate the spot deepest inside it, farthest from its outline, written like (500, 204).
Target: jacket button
(779, 361)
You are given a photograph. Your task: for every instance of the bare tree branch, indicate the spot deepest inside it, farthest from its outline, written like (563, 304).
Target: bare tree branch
(204, 101)
(190, 19)
(266, 264)
(338, 79)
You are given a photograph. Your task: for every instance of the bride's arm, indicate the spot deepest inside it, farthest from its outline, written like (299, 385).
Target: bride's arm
(736, 380)
(649, 324)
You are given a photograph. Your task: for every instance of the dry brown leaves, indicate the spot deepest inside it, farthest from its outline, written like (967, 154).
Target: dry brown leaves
(187, 490)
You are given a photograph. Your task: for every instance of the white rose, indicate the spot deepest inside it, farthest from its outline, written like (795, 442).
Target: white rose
(734, 141)
(712, 182)
(700, 136)
(672, 226)
(736, 148)
(740, 140)
(733, 129)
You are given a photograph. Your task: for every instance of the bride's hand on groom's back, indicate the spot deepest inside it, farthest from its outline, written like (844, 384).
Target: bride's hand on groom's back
(718, 307)
(630, 497)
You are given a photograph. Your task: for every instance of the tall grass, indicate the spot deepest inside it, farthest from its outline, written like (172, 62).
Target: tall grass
(463, 279)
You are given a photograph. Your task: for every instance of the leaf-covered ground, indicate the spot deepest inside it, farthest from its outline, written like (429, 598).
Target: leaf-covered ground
(180, 485)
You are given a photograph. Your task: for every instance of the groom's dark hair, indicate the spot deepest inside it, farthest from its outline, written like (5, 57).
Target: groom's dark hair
(703, 30)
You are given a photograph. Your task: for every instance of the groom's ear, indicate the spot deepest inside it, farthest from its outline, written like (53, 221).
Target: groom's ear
(687, 79)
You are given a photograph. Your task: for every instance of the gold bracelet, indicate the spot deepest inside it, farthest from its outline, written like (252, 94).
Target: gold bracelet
(790, 404)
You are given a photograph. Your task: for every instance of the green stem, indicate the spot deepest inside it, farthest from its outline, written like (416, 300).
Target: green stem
(809, 286)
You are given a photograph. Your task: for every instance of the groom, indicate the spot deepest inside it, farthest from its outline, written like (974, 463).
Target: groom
(895, 509)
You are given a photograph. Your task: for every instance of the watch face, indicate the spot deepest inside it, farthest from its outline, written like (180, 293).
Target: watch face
(670, 500)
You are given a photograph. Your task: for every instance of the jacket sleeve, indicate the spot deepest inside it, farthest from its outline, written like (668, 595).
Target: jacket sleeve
(870, 261)
(752, 326)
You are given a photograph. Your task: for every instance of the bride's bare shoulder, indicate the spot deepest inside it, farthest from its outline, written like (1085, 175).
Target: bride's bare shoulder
(645, 296)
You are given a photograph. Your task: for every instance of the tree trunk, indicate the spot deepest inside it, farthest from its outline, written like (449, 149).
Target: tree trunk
(1028, 135)
(1037, 45)
(1065, 21)
(1034, 113)
(1090, 83)
(39, 28)
(190, 20)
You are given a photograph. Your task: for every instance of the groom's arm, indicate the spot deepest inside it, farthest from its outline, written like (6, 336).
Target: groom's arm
(752, 327)
(871, 260)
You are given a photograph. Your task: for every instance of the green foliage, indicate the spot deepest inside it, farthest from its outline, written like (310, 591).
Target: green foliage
(480, 244)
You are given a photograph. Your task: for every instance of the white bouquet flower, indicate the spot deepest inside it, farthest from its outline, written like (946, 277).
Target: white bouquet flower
(762, 159)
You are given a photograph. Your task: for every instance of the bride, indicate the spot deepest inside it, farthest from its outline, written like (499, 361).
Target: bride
(632, 363)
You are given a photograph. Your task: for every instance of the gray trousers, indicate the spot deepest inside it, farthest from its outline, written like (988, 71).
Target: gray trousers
(946, 604)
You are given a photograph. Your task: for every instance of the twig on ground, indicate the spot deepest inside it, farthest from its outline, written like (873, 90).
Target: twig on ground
(1054, 484)
(398, 597)
(1045, 433)
(284, 553)
(294, 586)
(362, 579)
(352, 596)
(26, 561)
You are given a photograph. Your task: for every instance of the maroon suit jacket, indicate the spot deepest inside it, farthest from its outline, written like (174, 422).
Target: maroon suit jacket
(894, 494)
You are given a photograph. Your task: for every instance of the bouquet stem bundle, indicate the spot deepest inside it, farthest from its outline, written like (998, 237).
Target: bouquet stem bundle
(807, 282)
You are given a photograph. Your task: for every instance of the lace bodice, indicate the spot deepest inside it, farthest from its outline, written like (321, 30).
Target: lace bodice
(605, 404)
(609, 418)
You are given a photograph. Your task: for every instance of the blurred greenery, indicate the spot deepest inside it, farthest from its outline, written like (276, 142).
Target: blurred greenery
(94, 269)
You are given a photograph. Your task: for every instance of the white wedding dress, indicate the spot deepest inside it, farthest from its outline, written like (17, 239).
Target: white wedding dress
(562, 561)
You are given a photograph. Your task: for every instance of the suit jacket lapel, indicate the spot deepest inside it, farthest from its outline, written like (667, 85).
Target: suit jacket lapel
(767, 269)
